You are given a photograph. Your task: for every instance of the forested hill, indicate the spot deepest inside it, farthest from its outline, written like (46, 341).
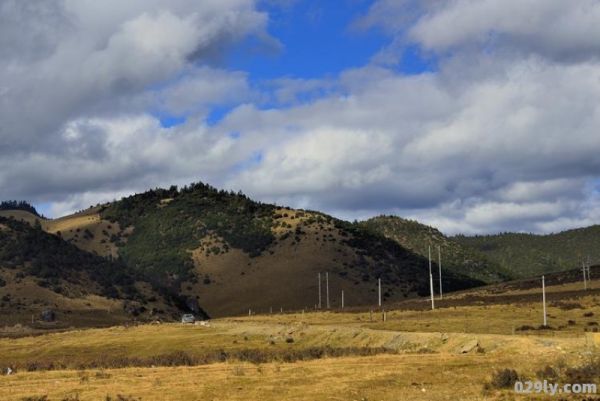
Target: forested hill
(526, 255)
(456, 257)
(234, 253)
(230, 254)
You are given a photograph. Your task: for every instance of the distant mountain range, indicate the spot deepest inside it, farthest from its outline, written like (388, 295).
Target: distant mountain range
(205, 250)
(456, 257)
(526, 255)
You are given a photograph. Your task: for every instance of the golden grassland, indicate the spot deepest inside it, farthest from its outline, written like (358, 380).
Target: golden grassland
(385, 377)
(423, 359)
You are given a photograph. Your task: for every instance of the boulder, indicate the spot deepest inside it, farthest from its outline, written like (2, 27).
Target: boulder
(470, 346)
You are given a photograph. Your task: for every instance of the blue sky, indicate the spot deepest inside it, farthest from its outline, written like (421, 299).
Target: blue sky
(312, 40)
(317, 40)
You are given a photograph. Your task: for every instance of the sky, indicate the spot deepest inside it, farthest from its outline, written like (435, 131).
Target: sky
(474, 116)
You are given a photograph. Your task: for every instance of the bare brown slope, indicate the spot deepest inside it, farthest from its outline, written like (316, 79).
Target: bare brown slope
(286, 276)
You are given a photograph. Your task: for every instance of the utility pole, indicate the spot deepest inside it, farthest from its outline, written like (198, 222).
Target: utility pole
(379, 285)
(431, 281)
(584, 275)
(319, 278)
(342, 299)
(327, 282)
(588, 270)
(544, 300)
(440, 266)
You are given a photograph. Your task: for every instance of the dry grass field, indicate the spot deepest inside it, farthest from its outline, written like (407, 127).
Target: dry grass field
(446, 354)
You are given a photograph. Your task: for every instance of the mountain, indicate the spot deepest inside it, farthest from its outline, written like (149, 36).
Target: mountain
(42, 273)
(456, 258)
(233, 254)
(526, 255)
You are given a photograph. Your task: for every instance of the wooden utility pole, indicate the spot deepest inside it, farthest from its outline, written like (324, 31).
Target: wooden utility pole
(379, 286)
(327, 286)
(342, 299)
(431, 281)
(440, 267)
(544, 300)
(584, 275)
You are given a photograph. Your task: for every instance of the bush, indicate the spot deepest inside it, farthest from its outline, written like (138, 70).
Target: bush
(547, 373)
(588, 373)
(504, 378)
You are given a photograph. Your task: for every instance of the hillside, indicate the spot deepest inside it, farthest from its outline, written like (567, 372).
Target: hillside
(456, 257)
(41, 272)
(233, 254)
(526, 255)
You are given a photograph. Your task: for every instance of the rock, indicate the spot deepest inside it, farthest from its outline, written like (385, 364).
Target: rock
(48, 315)
(470, 346)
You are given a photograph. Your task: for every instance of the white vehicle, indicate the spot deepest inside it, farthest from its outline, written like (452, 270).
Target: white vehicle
(188, 318)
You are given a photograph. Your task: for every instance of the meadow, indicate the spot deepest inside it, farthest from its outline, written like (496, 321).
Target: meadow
(456, 352)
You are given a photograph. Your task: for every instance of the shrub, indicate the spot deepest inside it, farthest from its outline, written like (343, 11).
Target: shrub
(504, 378)
(588, 373)
(547, 373)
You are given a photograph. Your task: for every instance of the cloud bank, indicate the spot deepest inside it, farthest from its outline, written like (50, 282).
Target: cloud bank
(501, 135)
